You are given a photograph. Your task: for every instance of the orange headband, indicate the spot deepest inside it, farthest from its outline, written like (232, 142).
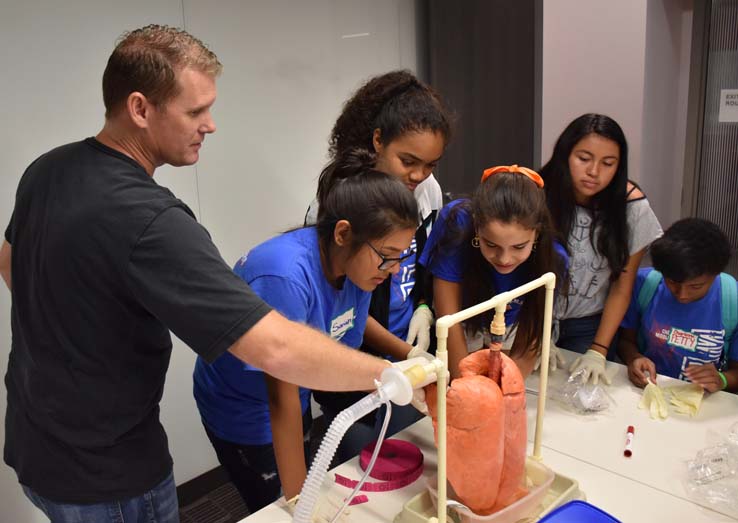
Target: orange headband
(529, 173)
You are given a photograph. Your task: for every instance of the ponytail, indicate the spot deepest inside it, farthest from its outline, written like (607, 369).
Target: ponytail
(374, 203)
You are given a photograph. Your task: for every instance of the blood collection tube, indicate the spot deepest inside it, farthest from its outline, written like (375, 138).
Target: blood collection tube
(628, 452)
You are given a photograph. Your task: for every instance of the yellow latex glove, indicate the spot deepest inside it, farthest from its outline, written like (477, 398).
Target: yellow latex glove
(686, 398)
(653, 400)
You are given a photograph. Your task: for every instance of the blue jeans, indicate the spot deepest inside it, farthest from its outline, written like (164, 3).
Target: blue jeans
(577, 334)
(158, 505)
(253, 468)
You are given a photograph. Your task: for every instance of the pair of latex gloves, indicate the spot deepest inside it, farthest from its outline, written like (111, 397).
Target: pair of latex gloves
(705, 375)
(591, 363)
(685, 398)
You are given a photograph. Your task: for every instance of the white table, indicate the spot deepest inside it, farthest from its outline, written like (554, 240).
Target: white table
(646, 487)
(660, 448)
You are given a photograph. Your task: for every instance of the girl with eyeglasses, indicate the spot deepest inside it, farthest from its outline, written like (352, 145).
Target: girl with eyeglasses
(499, 239)
(607, 224)
(323, 276)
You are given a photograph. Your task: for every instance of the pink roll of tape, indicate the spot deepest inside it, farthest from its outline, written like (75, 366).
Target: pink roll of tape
(398, 464)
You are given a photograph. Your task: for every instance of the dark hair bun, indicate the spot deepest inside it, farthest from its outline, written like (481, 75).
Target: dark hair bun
(355, 161)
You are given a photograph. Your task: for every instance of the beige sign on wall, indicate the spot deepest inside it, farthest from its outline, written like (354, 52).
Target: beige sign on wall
(728, 105)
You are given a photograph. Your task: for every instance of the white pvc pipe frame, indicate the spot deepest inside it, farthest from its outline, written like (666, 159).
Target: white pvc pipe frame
(499, 302)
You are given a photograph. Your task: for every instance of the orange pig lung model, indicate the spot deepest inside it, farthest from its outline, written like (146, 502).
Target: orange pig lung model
(487, 432)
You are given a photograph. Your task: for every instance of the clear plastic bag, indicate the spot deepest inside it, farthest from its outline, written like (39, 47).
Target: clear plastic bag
(712, 476)
(712, 464)
(581, 397)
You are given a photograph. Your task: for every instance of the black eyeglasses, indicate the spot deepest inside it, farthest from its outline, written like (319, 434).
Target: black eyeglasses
(388, 263)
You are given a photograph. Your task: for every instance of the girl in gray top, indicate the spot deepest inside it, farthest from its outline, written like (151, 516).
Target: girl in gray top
(607, 223)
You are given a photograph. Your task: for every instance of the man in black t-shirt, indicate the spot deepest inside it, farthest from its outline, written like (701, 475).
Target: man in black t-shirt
(102, 263)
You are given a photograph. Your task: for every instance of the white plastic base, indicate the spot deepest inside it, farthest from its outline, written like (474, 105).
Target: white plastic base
(421, 508)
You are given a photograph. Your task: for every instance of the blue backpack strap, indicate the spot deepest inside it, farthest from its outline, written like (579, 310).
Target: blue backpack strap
(728, 305)
(645, 295)
(650, 284)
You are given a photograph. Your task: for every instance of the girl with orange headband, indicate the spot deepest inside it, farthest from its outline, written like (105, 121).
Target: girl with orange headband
(499, 239)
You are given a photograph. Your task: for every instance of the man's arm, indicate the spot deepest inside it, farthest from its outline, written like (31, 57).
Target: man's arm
(298, 354)
(5, 252)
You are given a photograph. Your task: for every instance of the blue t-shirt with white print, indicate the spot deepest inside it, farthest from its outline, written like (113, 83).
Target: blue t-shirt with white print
(451, 263)
(401, 306)
(285, 272)
(679, 334)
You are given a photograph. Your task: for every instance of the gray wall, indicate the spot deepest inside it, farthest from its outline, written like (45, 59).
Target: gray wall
(630, 60)
(288, 66)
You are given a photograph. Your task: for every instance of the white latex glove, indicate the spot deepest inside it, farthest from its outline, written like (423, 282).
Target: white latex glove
(419, 403)
(325, 508)
(555, 359)
(593, 365)
(418, 333)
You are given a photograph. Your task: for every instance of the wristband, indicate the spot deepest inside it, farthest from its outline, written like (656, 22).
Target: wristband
(422, 305)
(600, 345)
(724, 380)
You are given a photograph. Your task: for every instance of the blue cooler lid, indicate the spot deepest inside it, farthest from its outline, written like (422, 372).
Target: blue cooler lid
(578, 511)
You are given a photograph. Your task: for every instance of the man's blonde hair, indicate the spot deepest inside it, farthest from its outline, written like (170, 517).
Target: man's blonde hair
(147, 60)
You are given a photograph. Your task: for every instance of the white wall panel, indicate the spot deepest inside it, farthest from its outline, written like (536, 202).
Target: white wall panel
(593, 62)
(288, 68)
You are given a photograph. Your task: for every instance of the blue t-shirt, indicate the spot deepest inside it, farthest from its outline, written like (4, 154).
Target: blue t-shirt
(286, 273)
(401, 306)
(678, 334)
(451, 263)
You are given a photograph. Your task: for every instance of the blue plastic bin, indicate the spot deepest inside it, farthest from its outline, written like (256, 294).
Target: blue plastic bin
(578, 511)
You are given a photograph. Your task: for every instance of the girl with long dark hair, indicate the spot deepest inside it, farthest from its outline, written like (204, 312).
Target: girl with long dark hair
(499, 239)
(607, 223)
(323, 276)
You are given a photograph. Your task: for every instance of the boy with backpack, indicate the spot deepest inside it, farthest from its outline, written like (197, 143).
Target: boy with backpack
(683, 312)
